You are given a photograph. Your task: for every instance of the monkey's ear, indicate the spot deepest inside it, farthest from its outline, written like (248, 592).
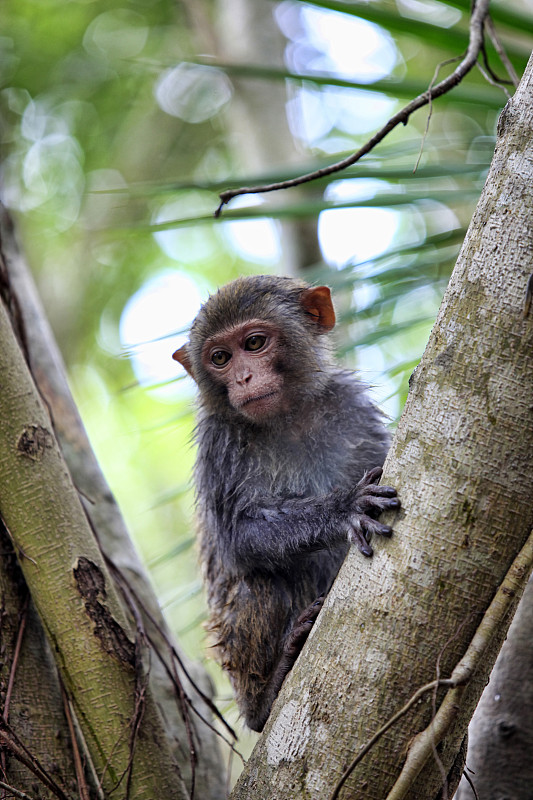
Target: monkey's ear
(182, 356)
(317, 302)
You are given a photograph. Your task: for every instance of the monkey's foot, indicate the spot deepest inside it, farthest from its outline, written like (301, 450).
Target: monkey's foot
(302, 628)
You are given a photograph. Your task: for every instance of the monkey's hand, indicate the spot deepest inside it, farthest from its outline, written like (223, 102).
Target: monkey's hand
(368, 501)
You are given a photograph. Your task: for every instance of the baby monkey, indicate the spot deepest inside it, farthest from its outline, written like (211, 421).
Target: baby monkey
(289, 454)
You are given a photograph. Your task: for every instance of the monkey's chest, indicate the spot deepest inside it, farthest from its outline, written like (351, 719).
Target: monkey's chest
(301, 469)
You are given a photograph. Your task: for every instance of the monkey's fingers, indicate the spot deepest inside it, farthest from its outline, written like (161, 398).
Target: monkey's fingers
(371, 477)
(362, 527)
(358, 538)
(311, 613)
(381, 491)
(302, 628)
(375, 503)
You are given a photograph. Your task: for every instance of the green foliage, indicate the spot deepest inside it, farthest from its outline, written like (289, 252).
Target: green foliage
(96, 167)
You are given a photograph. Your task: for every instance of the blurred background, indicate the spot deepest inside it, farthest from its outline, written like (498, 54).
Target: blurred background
(121, 122)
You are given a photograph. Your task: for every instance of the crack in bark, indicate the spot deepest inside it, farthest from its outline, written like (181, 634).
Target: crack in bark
(90, 582)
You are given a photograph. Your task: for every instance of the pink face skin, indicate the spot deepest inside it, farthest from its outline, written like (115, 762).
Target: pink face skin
(243, 359)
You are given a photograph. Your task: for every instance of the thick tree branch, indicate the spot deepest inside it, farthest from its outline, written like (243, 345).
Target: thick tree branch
(424, 743)
(475, 45)
(422, 747)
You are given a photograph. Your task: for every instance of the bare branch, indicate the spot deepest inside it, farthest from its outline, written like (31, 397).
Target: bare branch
(504, 58)
(14, 792)
(477, 22)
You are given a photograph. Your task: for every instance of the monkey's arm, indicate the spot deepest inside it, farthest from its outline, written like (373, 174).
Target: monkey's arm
(274, 530)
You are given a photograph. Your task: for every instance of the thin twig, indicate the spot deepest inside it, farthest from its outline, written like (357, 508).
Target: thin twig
(477, 21)
(172, 677)
(183, 701)
(83, 789)
(14, 792)
(430, 112)
(429, 687)
(470, 783)
(16, 656)
(157, 627)
(494, 81)
(143, 638)
(9, 739)
(504, 58)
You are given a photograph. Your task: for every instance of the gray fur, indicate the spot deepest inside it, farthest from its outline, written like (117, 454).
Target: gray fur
(277, 502)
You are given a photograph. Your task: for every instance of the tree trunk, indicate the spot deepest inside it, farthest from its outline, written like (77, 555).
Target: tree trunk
(100, 506)
(500, 736)
(99, 657)
(461, 460)
(30, 692)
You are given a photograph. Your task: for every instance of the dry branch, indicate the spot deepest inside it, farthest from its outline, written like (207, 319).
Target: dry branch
(479, 16)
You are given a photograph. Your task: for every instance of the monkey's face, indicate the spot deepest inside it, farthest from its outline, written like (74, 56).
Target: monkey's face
(255, 350)
(245, 359)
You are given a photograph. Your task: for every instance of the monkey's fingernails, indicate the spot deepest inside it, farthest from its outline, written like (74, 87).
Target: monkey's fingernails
(383, 530)
(387, 491)
(358, 539)
(365, 549)
(376, 490)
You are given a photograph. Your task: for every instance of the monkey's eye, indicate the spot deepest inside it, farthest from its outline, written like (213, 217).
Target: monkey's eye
(255, 342)
(220, 358)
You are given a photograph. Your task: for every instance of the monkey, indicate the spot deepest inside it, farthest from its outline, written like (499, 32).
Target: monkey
(290, 449)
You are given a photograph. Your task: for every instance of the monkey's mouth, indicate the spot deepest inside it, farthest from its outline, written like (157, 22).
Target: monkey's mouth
(257, 397)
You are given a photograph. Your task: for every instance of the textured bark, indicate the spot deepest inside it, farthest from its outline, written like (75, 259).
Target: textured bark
(501, 732)
(72, 591)
(100, 506)
(461, 460)
(30, 694)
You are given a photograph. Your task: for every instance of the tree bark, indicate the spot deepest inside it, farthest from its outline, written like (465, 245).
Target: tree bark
(99, 658)
(106, 520)
(461, 460)
(500, 736)
(30, 693)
